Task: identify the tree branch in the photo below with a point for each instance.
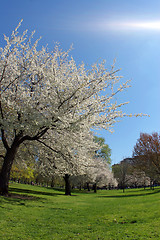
(56, 151)
(49, 147)
(4, 140)
(36, 137)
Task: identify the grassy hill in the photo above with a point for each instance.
(34, 212)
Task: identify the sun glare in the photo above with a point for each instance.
(142, 25)
(128, 25)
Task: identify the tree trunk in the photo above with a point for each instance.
(52, 182)
(6, 169)
(67, 185)
(88, 188)
(95, 187)
(151, 185)
(123, 186)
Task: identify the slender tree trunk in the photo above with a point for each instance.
(123, 187)
(95, 187)
(67, 185)
(6, 169)
(151, 185)
(88, 188)
(52, 182)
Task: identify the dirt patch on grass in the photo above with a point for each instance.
(21, 197)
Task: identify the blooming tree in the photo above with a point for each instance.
(45, 93)
(66, 156)
(99, 174)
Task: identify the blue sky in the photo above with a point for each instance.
(128, 31)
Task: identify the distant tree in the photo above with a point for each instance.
(146, 155)
(120, 172)
(137, 178)
(99, 174)
(23, 173)
(104, 151)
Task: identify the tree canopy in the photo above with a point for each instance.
(104, 150)
(47, 98)
(146, 154)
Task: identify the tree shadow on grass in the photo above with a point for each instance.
(141, 189)
(7, 203)
(125, 194)
(15, 199)
(21, 196)
(27, 191)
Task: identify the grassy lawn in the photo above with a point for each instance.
(42, 213)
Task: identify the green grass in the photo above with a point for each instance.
(49, 214)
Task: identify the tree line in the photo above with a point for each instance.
(29, 170)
